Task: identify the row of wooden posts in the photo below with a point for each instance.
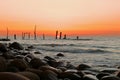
(24, 34)
(27, 35)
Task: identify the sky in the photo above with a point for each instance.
(72, 17)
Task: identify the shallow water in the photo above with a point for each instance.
(98, 52)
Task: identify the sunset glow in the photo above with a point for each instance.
(72, 17)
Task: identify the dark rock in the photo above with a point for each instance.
(83, 67)
(19, 63)
(36, 63)
(118, 74)
(69, 75)
(60, 55)
(37, 52)
(11, 76)
(100, 75)
(89, 77)
(3, 47)
(48, 75)
(16, 45)
(36, 71)
(110, 70)
(30, 75)
(3, 64)
(31, 47)
(70, 66)
(12, 69)
(49, 58)
(44, 68)
(110, 78)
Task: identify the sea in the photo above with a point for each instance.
(97, 51)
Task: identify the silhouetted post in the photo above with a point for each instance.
(77, 37)
(60, 35)
(29, 35)
(15, 36)
(7, 33)
(56, 35)
(64, 36)
(43, 36)
(22, 35)
(35, 33)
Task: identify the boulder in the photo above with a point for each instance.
(16, 45)
(83, 67)
(100, 75)
(3, 64)
(11, 76)
(30, 75)
(89, 77)
(36, 63)
(60, 55)
(69, 75)
(3, 47)
(44, 68)
(19, 63)
(48, 75)
(110, 78)
(36, 71)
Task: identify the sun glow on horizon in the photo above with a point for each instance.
(78, 17)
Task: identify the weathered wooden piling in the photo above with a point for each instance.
(65, 36)
(15, 36)
(35, 36)
(56, 36)
(43, 36)
(60, 35)
(7, 33)
(77, 37)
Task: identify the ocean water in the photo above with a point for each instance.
(99, 52)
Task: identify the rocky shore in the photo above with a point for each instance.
(18, 63)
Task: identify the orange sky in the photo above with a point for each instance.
(72, 17)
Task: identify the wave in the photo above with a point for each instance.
(73, 50)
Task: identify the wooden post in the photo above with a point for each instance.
(7, 33)
(64, 36)
(77, 37)
(43, 36)
(35, 33)
(29, 35)
(56, 35)
(15, 36)
(60, 35)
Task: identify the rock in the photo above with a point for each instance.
(110, 78)
(49, 58)
(100, 75)
(3, 47)
(17, 46)
(3, 64)
(118, 74)
(36, 71)
(36, 63)
(44, 68)
(60, 55)
(30, 75)
(12, 69)
(11, 76)
(89, 77)
(110, 70)
(48, 75)
(69, 75)
(83, 67)
(37, 52)
(70, 66)
(19, 63)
